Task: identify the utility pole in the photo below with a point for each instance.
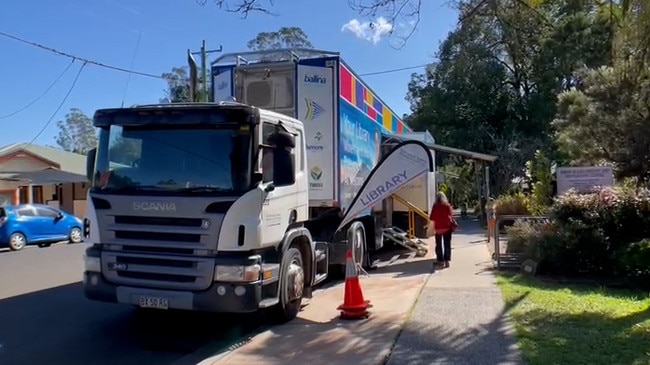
(204, 68)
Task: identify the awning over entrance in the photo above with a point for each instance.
(426, 138)
(44, 177)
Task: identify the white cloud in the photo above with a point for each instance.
(370, 31)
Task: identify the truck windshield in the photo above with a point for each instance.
(173, 159)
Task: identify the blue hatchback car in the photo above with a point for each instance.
(38, 224)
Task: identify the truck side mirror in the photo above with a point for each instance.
(90, 164)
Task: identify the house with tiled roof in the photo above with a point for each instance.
(31, 173)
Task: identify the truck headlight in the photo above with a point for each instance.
(237, 273)
(93, 264)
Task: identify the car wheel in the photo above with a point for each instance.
(17, 242)
(75, 235)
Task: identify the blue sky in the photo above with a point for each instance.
(108, 30)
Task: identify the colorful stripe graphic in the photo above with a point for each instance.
(313, 109)
(354, 92)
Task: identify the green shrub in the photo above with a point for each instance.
(539, 171)
(523, 237)
(633, 262)
(515, 204)
(598, 234)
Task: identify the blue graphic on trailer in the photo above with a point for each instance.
(359, 144)
(313, 109)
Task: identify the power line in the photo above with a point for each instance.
(128, 77)
(65, 98)
(393, 70)
(85, 60)
(40, 96)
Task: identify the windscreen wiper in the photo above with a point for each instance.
(204, 189)
(135, 188)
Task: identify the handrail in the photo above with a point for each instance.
(412, 207)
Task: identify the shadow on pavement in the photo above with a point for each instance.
(487, 344)
(304, 341)
(60, 326)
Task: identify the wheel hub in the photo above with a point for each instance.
(295, 282)
(17, 241)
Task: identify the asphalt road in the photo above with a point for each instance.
(45, 319)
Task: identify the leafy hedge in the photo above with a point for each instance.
(605, 233)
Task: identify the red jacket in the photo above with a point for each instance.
(442, 215)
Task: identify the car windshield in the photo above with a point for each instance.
(163, 159)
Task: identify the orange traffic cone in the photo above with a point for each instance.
(354, 306)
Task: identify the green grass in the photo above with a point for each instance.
(567, 324)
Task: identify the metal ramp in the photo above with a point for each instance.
(396, 235)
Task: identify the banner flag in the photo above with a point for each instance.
(405, 162)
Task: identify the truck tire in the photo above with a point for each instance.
(292, 284)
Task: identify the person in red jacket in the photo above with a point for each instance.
(442, 220)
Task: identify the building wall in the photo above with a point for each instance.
(70, 197)
(23, 162)
(8, 192)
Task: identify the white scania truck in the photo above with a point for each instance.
(229, 206)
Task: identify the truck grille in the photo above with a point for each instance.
(159, 252)
(158, 271)
(158, 221)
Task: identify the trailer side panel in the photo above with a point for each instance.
(316, 107)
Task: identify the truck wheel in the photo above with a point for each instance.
(292, 285)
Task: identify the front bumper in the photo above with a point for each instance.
(219, 297)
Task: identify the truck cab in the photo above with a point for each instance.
(199, 207)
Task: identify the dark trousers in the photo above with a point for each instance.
(443, 247)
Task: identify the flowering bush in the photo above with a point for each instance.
(591, 234)
(622, 215)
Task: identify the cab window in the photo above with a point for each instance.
(267, 154)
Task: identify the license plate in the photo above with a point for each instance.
(152, 302)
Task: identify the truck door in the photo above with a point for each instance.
(281, 201)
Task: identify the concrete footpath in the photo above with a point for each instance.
(459, 317)
(318, 336)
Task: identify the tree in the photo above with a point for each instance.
(494, 85)
(285, 37)
(76, 132)
(604, 118)
(178, 86)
